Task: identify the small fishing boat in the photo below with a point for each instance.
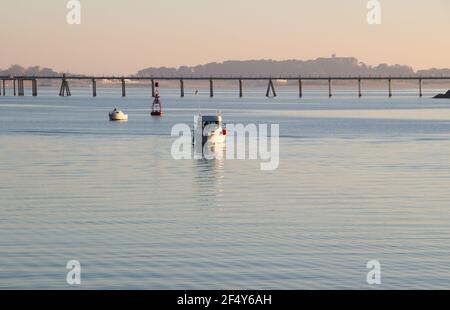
(209, 128)
(117, 115)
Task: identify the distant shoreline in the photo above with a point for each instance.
(323, 66)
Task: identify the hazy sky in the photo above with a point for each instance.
(122, 36)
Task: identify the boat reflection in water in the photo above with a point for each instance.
(210, 177)
(210, 151)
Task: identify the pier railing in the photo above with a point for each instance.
(19, 89)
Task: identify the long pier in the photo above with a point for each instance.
(19, 82)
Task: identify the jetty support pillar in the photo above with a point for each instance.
(20, 90)
(359, 88)
(270, 87)
(94, 88)
(211, 88)
(420, 88)
(390, 88)
(153, 88)
(329, 89)
(240, 89)
(124, 94)
(64, 90)
(300, 88)
(181, 88)
(34, 87)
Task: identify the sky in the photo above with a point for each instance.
(124, 36)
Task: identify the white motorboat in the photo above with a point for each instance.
(209, 129)
(117, 115)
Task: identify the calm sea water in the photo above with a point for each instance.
(359, 179)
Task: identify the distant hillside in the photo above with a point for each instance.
(337, 66)
(434, 72)
(319, 66)
(35, 70)
(343, 66)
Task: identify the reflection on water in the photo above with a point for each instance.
(210, 172)
(348, 190)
